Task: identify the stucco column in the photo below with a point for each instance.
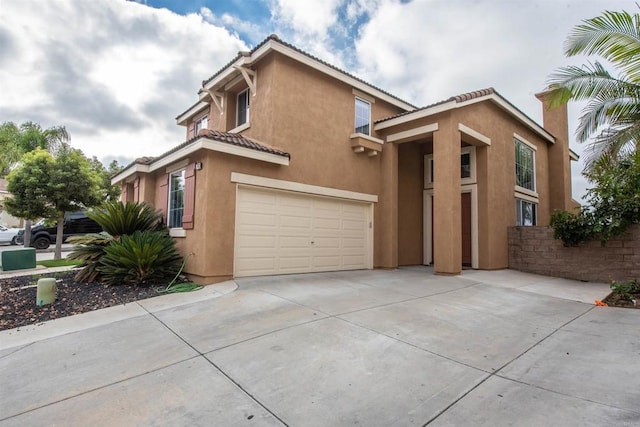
(386, 211)
(555, 121)
(447, 233)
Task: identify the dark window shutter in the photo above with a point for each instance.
(189, 196)
(164, 196)
(136, 189)
(124, 196)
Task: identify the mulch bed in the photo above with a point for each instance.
(18, 302)
(615, 300)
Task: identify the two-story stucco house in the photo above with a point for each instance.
(292, 165)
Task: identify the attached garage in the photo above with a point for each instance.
(282, 232)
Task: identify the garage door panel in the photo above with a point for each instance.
(294, 242)
(354, 243)
(293, 263)
(353, 261)
(295, 233)
(256, 265)
(329, 262)
(291, 221)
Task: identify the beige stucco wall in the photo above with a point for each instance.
(310, 116)
(495, 177)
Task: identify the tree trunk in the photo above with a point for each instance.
(59, 236)
(27, 233)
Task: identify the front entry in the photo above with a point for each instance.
(468, 225)
(466, 229)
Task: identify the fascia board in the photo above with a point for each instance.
(182, 118)
(203, 143)
(122, 176)
(416, 115)
(453, 105)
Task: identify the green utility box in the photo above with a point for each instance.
(18, 259)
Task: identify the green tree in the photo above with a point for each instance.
(110, 193)
(47, 186)
(17, 141)
(611, 118)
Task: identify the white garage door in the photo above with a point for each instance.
(280, 232)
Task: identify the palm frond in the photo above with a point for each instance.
(614, 35)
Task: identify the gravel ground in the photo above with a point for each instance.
(18, 298)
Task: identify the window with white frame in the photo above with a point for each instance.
(525, 166)
(201, 123)
(176, 199)
(242, 108)
(526, 212)
(363, 117)
(467, 167)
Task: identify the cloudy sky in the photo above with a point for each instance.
(116, 73)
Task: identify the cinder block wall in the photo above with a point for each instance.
(534, 250)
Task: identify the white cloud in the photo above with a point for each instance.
(114, 73)
(249, 29)
(428, 50)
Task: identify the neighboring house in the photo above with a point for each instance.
(5, 218)
(292, 165)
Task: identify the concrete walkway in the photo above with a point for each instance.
(372, 348)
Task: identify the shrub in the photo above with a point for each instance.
(143, 257)
(625, 288)
(90, 250)
(572, 228)
(117, 218)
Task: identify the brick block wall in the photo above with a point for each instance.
(534, 250)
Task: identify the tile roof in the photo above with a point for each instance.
(225, 137)
(238, 140)
(274, 37)
(457, 98)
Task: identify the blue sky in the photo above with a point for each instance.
(116, 73)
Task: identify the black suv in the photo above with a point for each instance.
(75, 224)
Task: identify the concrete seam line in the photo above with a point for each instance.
(200, 354)
(567, 395)
(495, 373)
(100, 387)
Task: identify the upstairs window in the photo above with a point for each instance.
(525, 166)
(176, 199)
(363, 117)
(467, 167)
(242, 108)
(201, 123)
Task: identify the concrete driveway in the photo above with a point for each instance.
(371, 348)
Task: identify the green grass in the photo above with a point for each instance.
(58, 262)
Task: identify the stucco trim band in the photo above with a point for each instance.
(473, 134)
(405, 135)
(278, 184)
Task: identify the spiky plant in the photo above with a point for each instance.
(89, 250)
(118, 219)
(139, 259)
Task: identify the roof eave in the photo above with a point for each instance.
(453, 104)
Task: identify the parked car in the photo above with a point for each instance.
(9, 235)
(75, 224)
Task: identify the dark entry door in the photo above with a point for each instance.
(466, 229)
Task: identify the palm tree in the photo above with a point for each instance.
(610, 121)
